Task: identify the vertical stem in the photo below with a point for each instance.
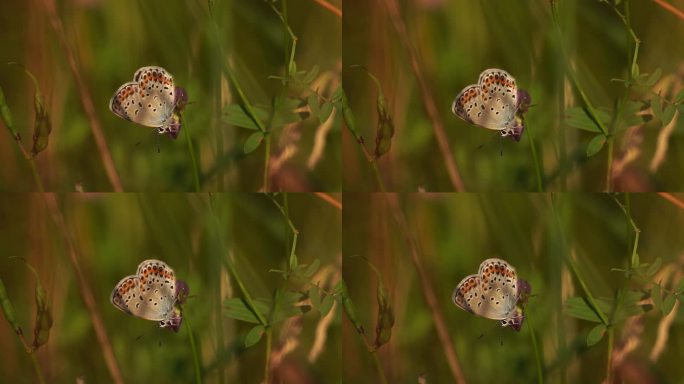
(378, 176)
(267, 156)
(193, 347)
(193, 159)
(378, 367)
(609, 362)
(540, 374)
(267, 364)
(36, 367)
(537, 165)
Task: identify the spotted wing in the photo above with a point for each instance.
(500, 287)
(498, 95)
(149, 100)
(467, 294)
(158, 289)
(126, 295)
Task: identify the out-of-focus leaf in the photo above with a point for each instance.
(326, 110)
(679, 97)
(312, 101)
(315, 297)
(576, 117)
(595, 145)
(579, 308)
(6, 113)
(668, 304)
(236, 308)
(668, 114)
(254, 335)
(653, 78)
(43, 322)
(680, 286)
(326, 305)
(253, 142)
(306, 77)
(653, 269)
(657, 297)
(234, 114)
(42, 126)
(596, 334)
(312, 268)
(656, 107)
(342, 296)
(8, 309)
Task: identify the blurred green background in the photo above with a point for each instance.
(456, 40)
(454, 233)
(194, 41)
(114, 233)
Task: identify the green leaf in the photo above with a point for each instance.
(8, 309)
(595, 145)
(668, 114)
(576, 117)
(656, 106)
(326, 110)
(312, 268)
(653, 78)
(306, 77)
(596, 334)
(234, 114)
(579, 308)
(326, 305)
(315, 297)
(5, 112)
(313, 105)
(635, 70)
(293, 261)
(235, 308)
(680, 96)
(253, 142)
(657, 297)
(680, 287)
(668, 304)
(653, 269)
(338, 94)
(254, 335)
(285, 114)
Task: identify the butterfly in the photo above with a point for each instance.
(495, 293)
(152, 294)
(495, 103)
(152, 100)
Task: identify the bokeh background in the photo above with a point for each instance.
(113, 233)
(535, 233)
(456, 40)
(194, 41)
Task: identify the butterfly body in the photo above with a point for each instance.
(493, 293)
(150, 294)
(151, 100)
(495, 103)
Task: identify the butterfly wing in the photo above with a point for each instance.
(500, 288)
(468, 105)
(158, 289)
(467, 294)
(498, 93)
(149, 100)
(126, 295)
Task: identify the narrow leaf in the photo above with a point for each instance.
(312, 268)
(576, 117)
(326, 110)
(653, 269)
(234, 114)
(657, 297)
(315, 297)
(596, 334)
(656, 106)
(254, 335)
(668, 114)
(326, 305)
(578, 307)
(253, 142)
(680, 286)
(668, 304)
(595, 145)
(312, 101)
(680, 96)
(653, 78)
(8, 309)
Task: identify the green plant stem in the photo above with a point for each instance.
(537, 165)
(267, 364)
(193, 158)
(609, 363)
(378, 367)
(571, 72)
(573, 267)
(36, 367)
(538, 359)
(231, 267)
(378, 176)
(267, 159)
(193, 347)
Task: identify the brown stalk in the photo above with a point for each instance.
(329, 7)
(670, 8)
(427, 98)
(329, 199)
(668, 196)
(428, 292)
(85, 96)
(84, 288)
